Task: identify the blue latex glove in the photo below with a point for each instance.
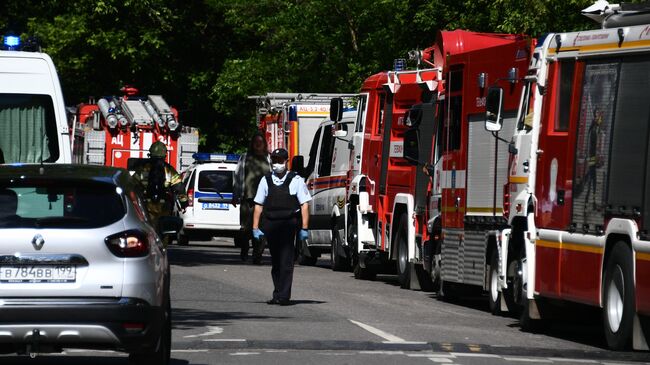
(257, 233)
(303, 234)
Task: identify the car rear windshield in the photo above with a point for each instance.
(216, 181)
(28, 131)
(42, 204)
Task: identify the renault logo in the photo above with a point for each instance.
(38, 242)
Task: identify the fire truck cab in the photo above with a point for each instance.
(577, 190)
(33, 122)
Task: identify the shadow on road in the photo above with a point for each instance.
(185, 318)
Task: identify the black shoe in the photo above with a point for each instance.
(257, 260)
(284, 302)
(273, 301)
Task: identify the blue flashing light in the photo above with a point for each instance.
(215, 157)
(11, 41)
(399, 64)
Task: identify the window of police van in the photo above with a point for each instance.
(69, 204)
(216, 181)
(28, 131)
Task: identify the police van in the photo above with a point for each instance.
(209, 185)
(33, 121)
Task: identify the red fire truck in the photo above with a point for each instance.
(404, 216)
(114, 129)
(577, 193)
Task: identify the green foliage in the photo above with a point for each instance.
(207, 57)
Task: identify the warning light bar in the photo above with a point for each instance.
(11, 42)
(215, 157)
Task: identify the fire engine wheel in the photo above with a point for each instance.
(338, 263)
(403, 265)
(494, 295)
(618, 297)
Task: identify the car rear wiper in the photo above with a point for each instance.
(213, 190)
(49, 221)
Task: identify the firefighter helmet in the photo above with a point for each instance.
(158, 150)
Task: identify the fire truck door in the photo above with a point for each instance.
(427, 128)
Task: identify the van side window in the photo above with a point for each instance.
(325, 157)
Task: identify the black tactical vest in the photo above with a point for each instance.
(279, 203)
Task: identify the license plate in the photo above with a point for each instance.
(215, 206)
(38, 274)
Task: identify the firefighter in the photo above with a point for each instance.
(161, 183)
(281, 197)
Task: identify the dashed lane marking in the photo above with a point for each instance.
(244, 353)
(390, 338)
(441, 360)
(431, 354)
(376, 331)
(212, 330)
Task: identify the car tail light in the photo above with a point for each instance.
(190, 198)
(131, 243)
(506, 201)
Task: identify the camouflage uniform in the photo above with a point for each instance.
(172, 187)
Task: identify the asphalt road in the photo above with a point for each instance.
(220, 316)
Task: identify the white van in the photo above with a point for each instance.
(33, 122)
(326, 178)
(209, 182)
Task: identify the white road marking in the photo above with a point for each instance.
(527, 359)
(282, 351)
(244, 353)
(224, 340)
(212, 330)
(441, 359)
(335, 353)
(406, 342)
(376, 331)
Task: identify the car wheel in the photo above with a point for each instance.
(338, 263)
(618, 297)
(494, 295)
(161, 353)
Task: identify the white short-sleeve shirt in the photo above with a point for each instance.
(297, 187)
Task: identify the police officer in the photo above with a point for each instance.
(281, 196)
(162, 184)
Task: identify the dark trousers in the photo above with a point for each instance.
(280, 236)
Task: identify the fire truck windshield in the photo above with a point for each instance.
(525, 117)
(27, 129)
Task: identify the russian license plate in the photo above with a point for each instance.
(215, 206)
(38, 274)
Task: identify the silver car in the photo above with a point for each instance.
(80, 264)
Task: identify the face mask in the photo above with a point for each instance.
(279, 168)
